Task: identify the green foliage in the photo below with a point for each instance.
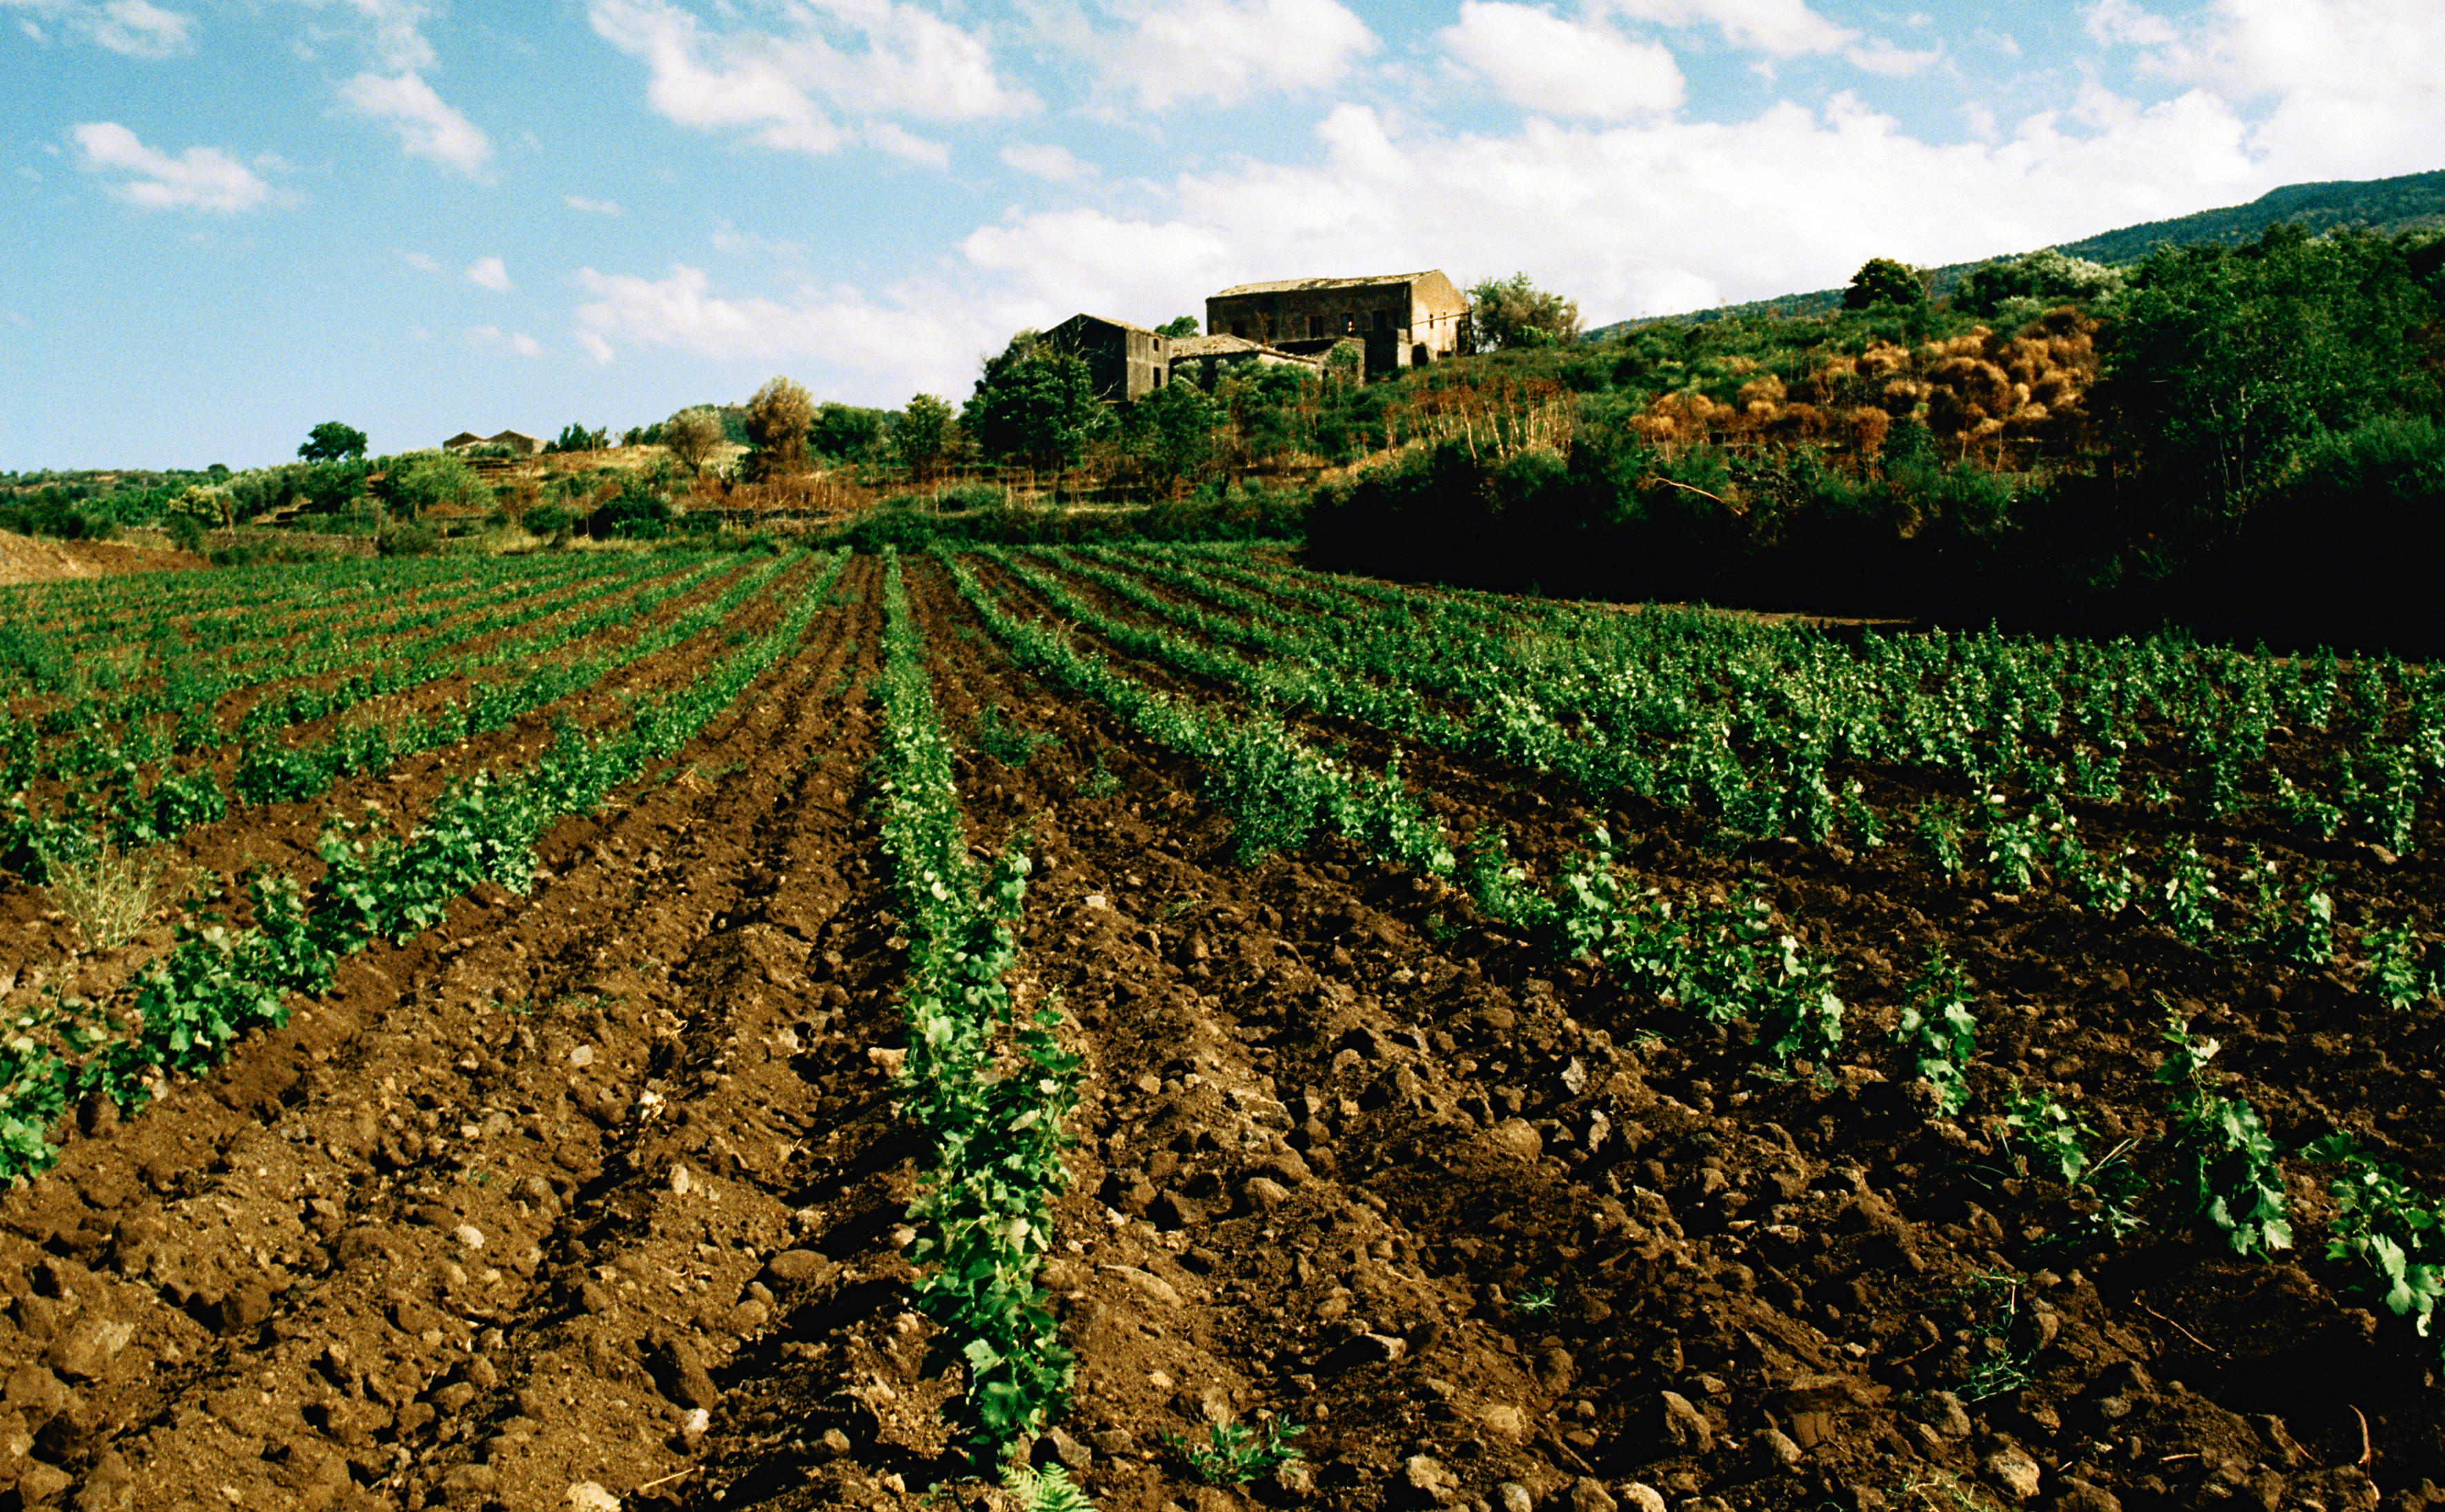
(428, 480)
(2234, 1178)
(1234, 1453)
(2190, 897)
(2043, 277)
(1938, 1028)
(577, 438)
(332, 441)
(778, 418)
(1883, 281)
(2388, 1227)
(1047, 1490)
(1037, 404)
(926, 435)
(1511, 313)
(200, 997)
(1177, 326)
(989, 1086)
(692, 436)
(2059, 1143)
(1006, 743)
(1174, 432)
(2402, 969)
(2228, 364)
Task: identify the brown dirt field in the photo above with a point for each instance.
(32, 559)
(492, 1222)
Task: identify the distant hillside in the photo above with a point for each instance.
(2412, 202)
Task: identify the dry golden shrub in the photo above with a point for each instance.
(1865, 426)
(1903, 395)
(1882, 357)
(1766, 390)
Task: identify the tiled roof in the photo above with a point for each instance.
(1102, 320)
(1284, 286)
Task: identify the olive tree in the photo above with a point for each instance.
(778, 418)
(692, 436)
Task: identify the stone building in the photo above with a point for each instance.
(1126, 361)
(519, 442)
(1200, 360)
(1403, 320)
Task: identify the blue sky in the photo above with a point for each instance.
(229, 221)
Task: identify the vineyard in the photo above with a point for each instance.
(1141, 1026)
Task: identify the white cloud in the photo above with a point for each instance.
(488, 273)
(426, 124)
(1220, 52)
(198, 178)
(918, 338)
(592, 207)
(143, 31)
(134, 28)
(1652, 217)
(2354, 85)
(2124, 23)
(866, 60)
(1883, 59)
(393, 30)
(1781, 27)
(422, 262)
(1048, 160)
(492, 338)
(1540, 62)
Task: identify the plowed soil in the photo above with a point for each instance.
(596, 1197)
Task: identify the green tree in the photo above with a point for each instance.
(692, 436)
(1035, 404)
(923, 438)
(577, 438)
(2047, 275)
(1173, 430)
(1506, 314)
(1178, 325)
(778, 418)
(426, 480)
(330, 442)
(1883, 281)
(847, 433)
(2225, 363)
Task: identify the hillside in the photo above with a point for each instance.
(2410, 202)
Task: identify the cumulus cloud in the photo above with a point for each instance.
(133, 28)
(592, 207)
(2352, 81)
(1220, 52)
(916, 338)
(1540, 62)
(1782, 28)
(198, 178)
(488, 273)
(426, 125)
(866, 60)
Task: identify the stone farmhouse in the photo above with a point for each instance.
(519, 442)
(1404, 320)
(1399, 320)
